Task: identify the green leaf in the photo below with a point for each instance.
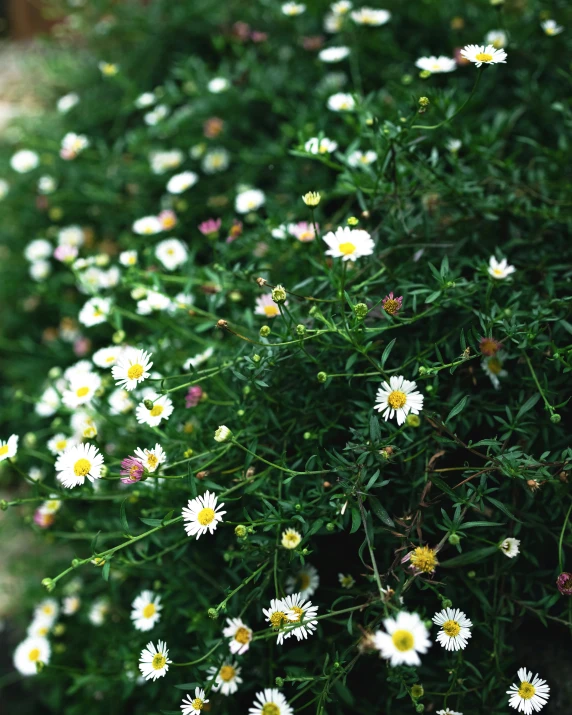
(374, 429)
(380, 512)
(459, 407)
(438, 482)
(356, 520)
(106, 569)
(503, 508)
(94, 542)
(123, 518)
(475, 524)
(469, 557)
(528, 405)
(386, 352)
(151, 522)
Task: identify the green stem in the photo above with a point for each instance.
(446, 121)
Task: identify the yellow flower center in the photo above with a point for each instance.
(52, 504)
(197, 704)
(48, 610)
(226, 673)
(43, 631)
(242, 635)
(549, 30)
(34, 655)
(135, 372)
(149, 610)
(526, 690)
(151, 459)
(3, 450)
(82, 392)
(158, 661)
(451, 628)
(347, 248)
(156, 410)
(391, 306)
(205, 516)
(299, 614)
(290, 540)
(397, 399)
(271, 311)
(270, 709)
(402, 640)
(424, 559)
(306, 236)
(277, 619)
(82, 467)
(60, 444)
(483, 57)
(494, 365)
(304, 579)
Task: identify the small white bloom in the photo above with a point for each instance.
(530, 694)
(73, 144)
(215, 160)
(270, 701)
(226, 678)
(147, 226)
(163, 161)
(157, 115)
(398, 398)
(453, 145)
(306, 581)
(435, 65)
(48, 403)
(38, 249)
(360, 159)
(301, 611)
(8, 448)
(78, 462)
(172, 253)
(317, 145)
(24, 161)
(222, 434)
(51, 506)
(151, 458)
(348, 243)
(342, 7)
(47, 185)
(147, 99)
(346, 580)
(132, 368)
(98, 612)
(81, 390)
(30, 652)
(67, 102)
(161, 410)
(277, 617)
(47, 611)
(448, 712)
(146, 610)
(405, 636)
(239, 634)
(493, 366)
(249, 200)
(154, 662)
(40, 270)
(120, 402)
(94, 311)
(333, 23)
(510, 547)
(293, 8)
(38, 628)
(551, 27)
(341, 102)
(59, 443)
(70, 605)
(198, 360)
(71, 236)
(107, 357)
(83, 425)
(496, 38)
(370, 16)
(455, 628)
(194, 706)
(333, 54)
(290, 538)
(218, 85)
(266, 306)
(481, 54)
(202, 514)
(128, 258)
(181, 182)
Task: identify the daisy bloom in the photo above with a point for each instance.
(38, 628)
(128, 258)
(78, 462)
(131, 369)
(303, 231)
(435, 65)
(198, 360)
(249, 200)
(146, 610)
(306, 581)
(161, 409)
(81, 390)
(29, 653)
(98, 612)
(510, 547)
(530, 695)
(154, 662)
(448, 712)
(334, 54)
(291, 538)
(480, 54)
(94, 311)
(73, 145)
(341, 102)
(147, 99)
(210, 227)
(108, 69)
(551, 27)
(226, 677)
(346, 580)
(453, 145)
(107, 357)
(147, 226)
(315, 145)
(202, 514)
(172, 253)
(38, 249)
(222, 434)
(398, 398)
(404, 638)
(8, 448)
(455, 628)
(120, 402)
(156, 115)
(270, 701)
(40, 270)
(277, 617)
(67, 102)
(423, 559)
(300, 611)
(151, 458)
(293, 8)
(51, 506)
(47, 611)
(239, 634)
(360, 159)
(215, 160)
(163, 161)
(70, 605)
(266, 306)
(496, 38)
(131, 470)
(193, 396)
(44, 521)
(500, 270)
(24, 161)
(370, 16)
(392, 305)
(181, 182)
(349, 243)
(493, 366)
(564, 583)
(46, 185)
(193, 706)
(342, 7)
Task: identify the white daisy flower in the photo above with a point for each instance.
(359, 158)
(78, 462)
(453, 145)
(306, 581)
(435, 65)
(404, 638)
(448, 712)
(4, 188)
(162, 409)
(266, 306)
(39, 628)
(120, 402)
(315, 145)
(182, 301)
(153, 118)
(172, 253)
(98, 612)
(132, 368)
(348, 243)
(290, 538)
(215, 160)
(59, 443)
(94, 311)
(218, 84)
(154, 662)
(24, 161)
(530, 695)
(163, 161)
(226, 678)
(29, 653)
(73, 144)
(333, 23)
(193, 706)
(496, 38)
(370, 16)
(270, 702)
(46, 185)
(48, 403)
(551, 27)
(277, 617)
(81, 390)
(181, 182)
(154, 300)
(333, 54)
(147, 99)
(239, 634)
(493, 366)
(70, 605)
(198, 360)
(342, 7)
(341, 102)
(222, 434)
(510, 547)
(455, 628)
(500, 269)
(346, 580)
(83, 425)
(128, 258)
(9, 447)
(481, 54)
(300, 611)
(71, 236)
(398, 398)
(47, 611)
(249, 200)
(51, 506)
(78, 369)
(40, 270)
(146, 610)
(151, 458)
(147, 226)
(202, 514)
(107, 357)
(38, 249)
(67, 102)
(293, 8)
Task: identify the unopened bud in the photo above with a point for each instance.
(417, 691)
(454, 539)
(212, 613)
(360, 310)
(555, 419)
(240, 531)
(300, 330)
(279, 294)
(353, 221)
(279, 682)
(264, 331)
(148, 404)
(48, 584)
(322, 377)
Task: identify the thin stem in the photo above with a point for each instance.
(446, 121)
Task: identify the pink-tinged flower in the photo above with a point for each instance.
(235, 231)
(303, 231)
(213, 127)
(210, 227)
(82, 346)
(564, 583)
(168, 219)
(193, 396)
(489, 346)
(132, 470)
(66, 253)
(241, 30)
(392, 305)
(266, 306)
(257, 36)
(43, 520)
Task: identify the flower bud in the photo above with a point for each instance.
(148, 404)
(212, 613)
(353, 221)
(454, 539)
(256, 358)
(330, 526)
(48, 584)
(279, 294)
(279, 682)
(420, 708)
(223, 434)
(240, 531)
(417, 691)
(555, 419)
(118, 337)
(322, 377)
(54, 373)
(3, 505)
(300, 330)
(264, 331)
(412, 420)
(360, 310)
(446, 603)
(564, 583)
(312, 198)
